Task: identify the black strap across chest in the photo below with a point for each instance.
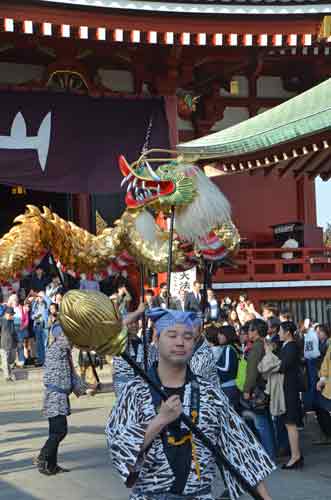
(176, 439)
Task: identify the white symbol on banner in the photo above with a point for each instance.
(19, 140)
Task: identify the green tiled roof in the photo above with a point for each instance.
(304, 115)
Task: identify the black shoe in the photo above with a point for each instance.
(298, 464)
(47, 472)
(59, 470)
(43, 466)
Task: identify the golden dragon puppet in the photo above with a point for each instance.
(203, 226)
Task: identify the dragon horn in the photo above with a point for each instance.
(124, 166)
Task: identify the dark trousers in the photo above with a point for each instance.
(233, 395)
(58, 429)
(324, 421)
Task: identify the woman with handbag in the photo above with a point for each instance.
(290, 368)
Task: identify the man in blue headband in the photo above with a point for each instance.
(154, 452)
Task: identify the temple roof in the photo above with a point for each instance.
(209, 7)
(295, 134)
(170, 24)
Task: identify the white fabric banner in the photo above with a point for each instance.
(182, 279)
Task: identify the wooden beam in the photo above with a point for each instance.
(268, 170)
(318, 167)
(310, 159)
(303, 166)
(285, 170)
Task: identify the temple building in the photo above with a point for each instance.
(214, 64)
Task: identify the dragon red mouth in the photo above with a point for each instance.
(142, 190)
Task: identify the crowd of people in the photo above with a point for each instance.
(271, 370)
(29, 310)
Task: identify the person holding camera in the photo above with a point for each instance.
(123, 299)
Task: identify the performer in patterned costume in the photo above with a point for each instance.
(154, 452)
(202, 362)
(122, 371)
(60, 380)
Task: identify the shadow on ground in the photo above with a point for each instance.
(17, 416)
(42, 432)
(11, 492)
(84, 459)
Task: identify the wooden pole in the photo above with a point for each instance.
(142, 297)
(171, 239)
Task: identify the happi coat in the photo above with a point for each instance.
(60, 379)
(150, 472)
(203, 363)
(122, 371)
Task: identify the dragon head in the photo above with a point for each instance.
(168, 185)
(200, 205)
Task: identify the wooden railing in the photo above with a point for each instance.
(267, 264)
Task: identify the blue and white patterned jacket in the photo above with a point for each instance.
(60, 379)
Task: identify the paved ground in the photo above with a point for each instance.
(23, 431)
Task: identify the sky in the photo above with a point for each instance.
(323, 197)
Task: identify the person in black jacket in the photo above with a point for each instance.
(290, 367)
(39, 280)
(193, 300)
(8, 342)
(161, 299)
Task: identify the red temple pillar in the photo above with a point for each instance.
(306, 201)
(81, 204)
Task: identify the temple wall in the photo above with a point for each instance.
(232, 116)
(258, 201)
(13, 73)
(117, 80)
(271, 86)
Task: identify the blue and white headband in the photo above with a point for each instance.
(165, 318)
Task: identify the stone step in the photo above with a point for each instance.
(28, 385)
